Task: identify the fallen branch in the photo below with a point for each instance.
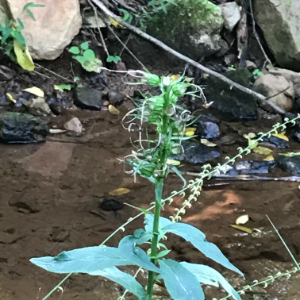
(187, 59)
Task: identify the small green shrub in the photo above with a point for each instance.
(86, 57)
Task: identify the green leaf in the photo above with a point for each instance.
(114, 59)
(91, 65)
(32, 4)
(124, 279)
(20, 38)
(84, 46)
(80, 59)
(208, 275)
(136, 254)
(21, 26)
(180, 283)
(74, 50)
(163, 222)
(173, 168)
(161, 254)
(89, 54)
(198, 239)
(83, 260)
(31, 15)
(6, 35)
(144, 211)
(62, 87)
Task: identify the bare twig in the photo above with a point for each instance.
(185, 58)
(98, 27)
(256, 35)
(64, 78)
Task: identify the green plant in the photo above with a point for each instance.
(31, 4)
(257, 73)
(113, 58)
(86, 57)
(183, 280)
(12, 40)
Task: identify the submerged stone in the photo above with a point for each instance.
(288, 164)
(22, 128)
(196, 153)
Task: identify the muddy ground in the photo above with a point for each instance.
(50, 195)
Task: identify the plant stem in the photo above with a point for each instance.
(151, 276)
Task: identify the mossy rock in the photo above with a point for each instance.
(191, 27)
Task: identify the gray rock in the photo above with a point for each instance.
(74, 125)
(115, 98)
(22, 128)
(191, 27)
(279, 21)
(6, 73)
(231, 13)
(88, 98)
(289, 164)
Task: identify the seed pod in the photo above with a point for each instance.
(179, 89)
(152, 79)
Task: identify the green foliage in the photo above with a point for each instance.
(31, 4)
(86, 57)
(113, 58)
(62, 87)
(257, 73)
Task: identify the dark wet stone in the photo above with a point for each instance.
(115, 98)
(288, 164)
(277, 142)
(88, 98)
(20, 102)
(22, 128)
(207, 127)
(55, 105)
(4, 101)
(98, 80)
(297, 104)
(231, 105)
(196, 153)
(6, 73)
(111, 204)
(250, 167)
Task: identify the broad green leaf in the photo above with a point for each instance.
(149, 219)
(80, 59)
(20, 38)
(198, 239)
(6, 34)
(23, 56)
(89, 54)
(74, 50)
(124, 279)
(84, 46)
(136, 254)
(208, 275)
(114, 59)
(181, 284)
(61, 87)
(83, 260)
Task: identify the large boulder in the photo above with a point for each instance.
(56, 25)
(279, 21)
(191, 27)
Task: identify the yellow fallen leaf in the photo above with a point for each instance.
(262, 150)
(269, 158)
(119, 191)
(175, 77)
(190, 131)
(173, 162)
(115, 23)
(24, 58)
(242, 220)
(242, 228)
(205, 75)
(35, 91)
(113, 110)
(281, 136)
(208, 143)
(10, 97)
(188, 79)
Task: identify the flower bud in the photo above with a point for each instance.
(152, 79)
